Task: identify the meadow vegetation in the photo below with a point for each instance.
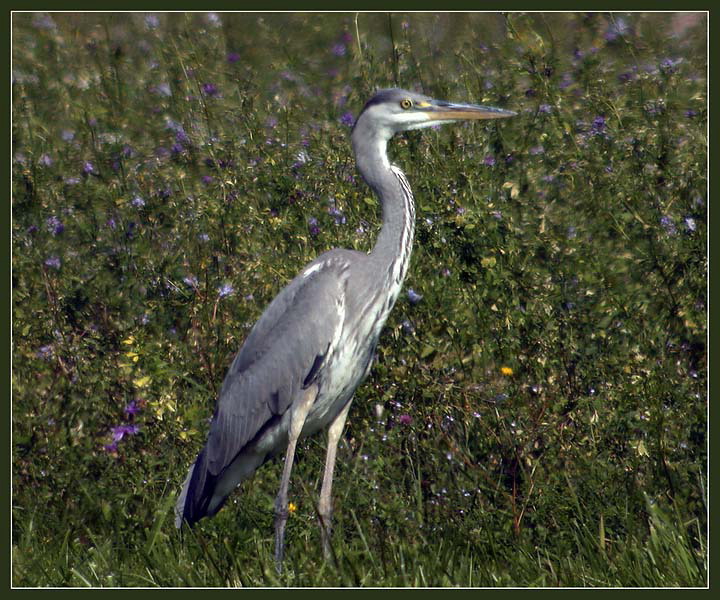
(537, 412)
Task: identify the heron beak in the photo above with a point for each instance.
(450, 111)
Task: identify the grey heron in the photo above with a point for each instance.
(314, 344)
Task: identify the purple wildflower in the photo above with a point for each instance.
(53, 262)
(210, 89)
(489, 161)
(44, 21)
(545, 108)
(173, 125)
(233, 57)
(301, 158)
(339, 49)
(132, 409)
(535, 150)
(88, 168)
(151, 21)
(668, 66)
(616, 29)
(111, 223)
(338, 215)
(206, 179)
(120, 431)
(55, 225)
(598, 126)
(45, 352)
(690, 224)
(407, 327)
(161, 89)
(191, 281)
(413, 296)
(110, 447)
(689, 114)
(405, 419)
(313, 226)
(138, 202)
(45, 160)
(565, 81)
(668, 224)
(347, 119)
(225, 290)
(67, 135)
(654, 108)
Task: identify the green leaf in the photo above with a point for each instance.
(426, 351)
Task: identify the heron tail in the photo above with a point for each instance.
(198, 491)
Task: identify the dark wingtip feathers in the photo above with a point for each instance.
(194, 499)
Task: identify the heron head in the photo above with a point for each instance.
(393, 110)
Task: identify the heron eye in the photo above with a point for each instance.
(406, 103)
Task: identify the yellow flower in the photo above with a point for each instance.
(506, 371)
(292, 507)
(142, 381)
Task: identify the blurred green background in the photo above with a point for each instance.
(537, 411)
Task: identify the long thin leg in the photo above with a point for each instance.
(300, 411)
(325, 507)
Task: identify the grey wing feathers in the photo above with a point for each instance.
(286, 346)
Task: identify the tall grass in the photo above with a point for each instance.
(536, 415)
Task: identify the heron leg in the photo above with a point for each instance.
(300, 410)
(325, 506)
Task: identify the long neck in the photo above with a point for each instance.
(394, 244)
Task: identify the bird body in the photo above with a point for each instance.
(279, 350)
(314, 344)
